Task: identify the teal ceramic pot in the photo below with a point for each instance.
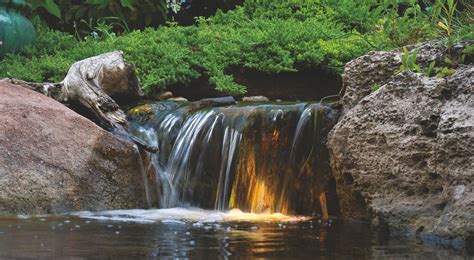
(16, 31)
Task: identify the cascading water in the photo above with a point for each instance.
(255, 157)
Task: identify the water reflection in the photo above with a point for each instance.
(74, 236)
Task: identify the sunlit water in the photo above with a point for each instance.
(194, 233)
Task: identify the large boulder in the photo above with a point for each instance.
(379, 67)
(403, 156)
(53, 160)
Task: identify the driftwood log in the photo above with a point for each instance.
(95, 85)
(91, 83)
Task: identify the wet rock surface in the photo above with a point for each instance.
(212, 102)
(403, 155)
(54, 160)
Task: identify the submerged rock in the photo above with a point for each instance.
(403, 155)
(54, 160)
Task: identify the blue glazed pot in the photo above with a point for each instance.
(16, 31)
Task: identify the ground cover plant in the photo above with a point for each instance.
(263, 35)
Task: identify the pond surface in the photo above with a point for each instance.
(194, 233)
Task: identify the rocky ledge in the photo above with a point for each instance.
(403, 155)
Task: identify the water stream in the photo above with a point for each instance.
(254, 157)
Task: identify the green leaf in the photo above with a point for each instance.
(49, 5)
(442, 25)
(430, 68)
(127, 3)
(417, 68)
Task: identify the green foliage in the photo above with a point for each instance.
(442, 72)
(408, 62)
(49, 5)
(264, 35)
(468, 53)
(451, 64)
(375, 86)
(412, 26)
(243, 38)
(428, 71)
(448, 8)
(73, 15)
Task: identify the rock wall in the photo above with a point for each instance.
(53, 160)
(403, 156)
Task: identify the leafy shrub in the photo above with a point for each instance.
(78, 15)
(264, 35)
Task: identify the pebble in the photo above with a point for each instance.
(198, 224)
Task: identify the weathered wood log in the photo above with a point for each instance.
(91, 83)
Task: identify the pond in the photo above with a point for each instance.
(195, 233)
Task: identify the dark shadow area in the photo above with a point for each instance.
(307, 85)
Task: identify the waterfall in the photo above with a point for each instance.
(257, 157)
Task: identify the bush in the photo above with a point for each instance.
(78, 16)
(265, 35)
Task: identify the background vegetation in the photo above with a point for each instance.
(265, 35)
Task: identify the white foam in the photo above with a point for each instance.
(183, 215)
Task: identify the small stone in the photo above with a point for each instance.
(165, 95)
(255, 99)
(179, 99)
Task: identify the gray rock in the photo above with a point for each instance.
(165, 95)
(180, 99)
(403, 155)
(255, 99)
(54, 160)
(212, 102)
(379, 68)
